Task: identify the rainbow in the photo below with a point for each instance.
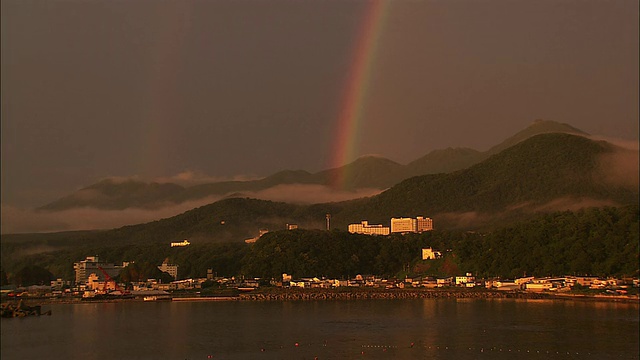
(353, 105)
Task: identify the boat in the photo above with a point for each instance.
(157, 298)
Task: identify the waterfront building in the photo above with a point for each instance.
(59, 284)
(538, 287)
(91, 265)
(365, 228)
(169, 269)
(444, 282)
(463, 280)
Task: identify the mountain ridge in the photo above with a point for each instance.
(366, 172)
(547, 172)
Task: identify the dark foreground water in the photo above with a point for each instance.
(366, 329)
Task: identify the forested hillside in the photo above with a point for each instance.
(365, 172)
(596, 241)
(507, 186)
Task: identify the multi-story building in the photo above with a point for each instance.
(403, 225)
(92, 265)
(423, 224)
(410, 225)
(365, 228)
(169, 269)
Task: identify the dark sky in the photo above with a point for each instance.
(94, 89)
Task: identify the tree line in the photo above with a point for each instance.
(595, 241)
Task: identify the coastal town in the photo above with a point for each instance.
(94, 281)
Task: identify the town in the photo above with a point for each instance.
(95, 279)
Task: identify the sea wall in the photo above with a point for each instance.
(328, 294)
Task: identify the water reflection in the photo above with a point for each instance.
(384, 329)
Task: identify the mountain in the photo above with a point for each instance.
(113, 194)
(364, 172)
(367, 172)
(449, 160)
(445, 161)
(547, 172)
(538, 127)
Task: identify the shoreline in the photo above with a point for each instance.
(288, 294)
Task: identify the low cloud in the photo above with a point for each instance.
(465, 220)
(16, 220)
(309, 194)
(474, 219)
(623, 143)
(122, 179)
(190, 178)
(619, 168)
(571, 204)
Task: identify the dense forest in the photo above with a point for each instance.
(595, 241)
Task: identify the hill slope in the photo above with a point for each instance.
(544, 173)
(365, 172)
(112, 194)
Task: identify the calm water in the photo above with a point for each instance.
(368, 329)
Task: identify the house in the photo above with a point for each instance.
(340, 283)
(430, 254)
(462, 280)
(538, 286)
(444, 282)
(524, 280)
(506, 285)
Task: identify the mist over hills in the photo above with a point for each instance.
(369, 174)
(545, 173)
(513, 200)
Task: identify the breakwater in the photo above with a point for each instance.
(328, 294)
(294, 294)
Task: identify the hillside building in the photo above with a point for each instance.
(430, 254)
(180, 243)
(423, 224)
(403, 225)
(365, 228)
(410, 225)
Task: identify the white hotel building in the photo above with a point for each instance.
(365, 228)
(398, 225)
(410, 225)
